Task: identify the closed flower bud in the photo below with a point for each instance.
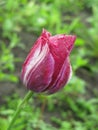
(47, 67)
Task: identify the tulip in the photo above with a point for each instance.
(47, 67)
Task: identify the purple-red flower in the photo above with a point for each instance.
(47, 66)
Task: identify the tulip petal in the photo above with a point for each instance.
(62, 79)
(60, 49)
(40, 72)
(67, 40)
(31, 56)
(59, 53)
(42, 76)
(45, 34)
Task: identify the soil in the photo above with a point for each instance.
(7, 87)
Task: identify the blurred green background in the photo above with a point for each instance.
(76, 106)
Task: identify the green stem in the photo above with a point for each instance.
(26, 98)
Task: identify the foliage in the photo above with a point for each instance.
(71, 108)
(67, 111)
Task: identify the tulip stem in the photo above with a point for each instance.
(26, 98)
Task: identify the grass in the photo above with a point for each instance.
(69, 109)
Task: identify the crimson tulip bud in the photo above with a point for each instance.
(47, 67)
